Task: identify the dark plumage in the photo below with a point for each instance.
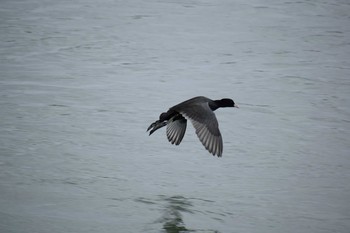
(200, 111)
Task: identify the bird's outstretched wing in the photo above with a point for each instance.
(176, 128)
(206, 125)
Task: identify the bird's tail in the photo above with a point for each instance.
(156, 125)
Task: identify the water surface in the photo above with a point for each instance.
(81, 81)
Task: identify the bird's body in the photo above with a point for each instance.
(200, 111)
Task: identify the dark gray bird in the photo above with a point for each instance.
(200, 111)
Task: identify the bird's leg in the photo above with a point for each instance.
(163, 121)
(159, 123)
(152, 125)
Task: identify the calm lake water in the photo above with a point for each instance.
(80, 82)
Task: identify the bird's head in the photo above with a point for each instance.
(227, 103)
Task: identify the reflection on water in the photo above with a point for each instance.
(173, 210)
(172, 218)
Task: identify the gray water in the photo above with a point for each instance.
(80, 82)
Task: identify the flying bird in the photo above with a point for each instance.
(200, 111)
